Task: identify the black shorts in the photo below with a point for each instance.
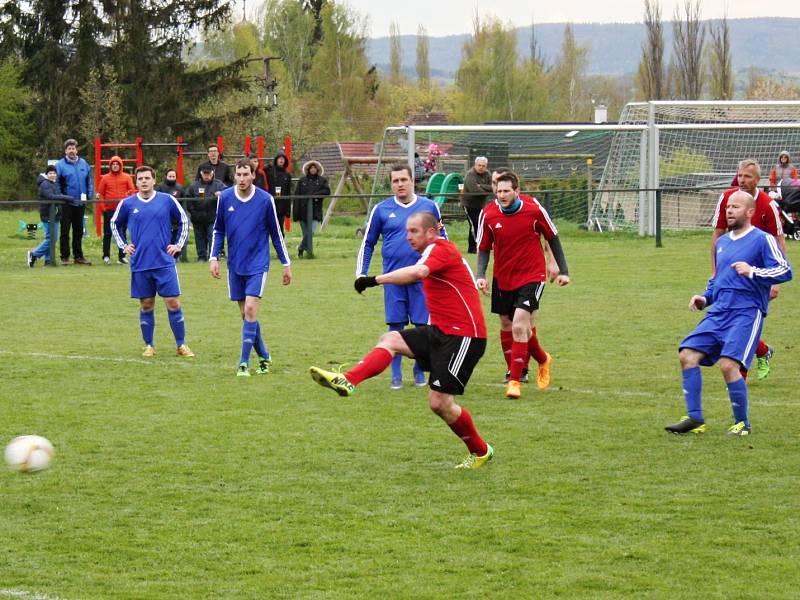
(450, 359)
(527, 298)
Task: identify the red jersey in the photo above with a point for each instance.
(765, 218)
(515, 239)
(450, 292)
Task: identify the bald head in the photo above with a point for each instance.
(739, 211)
(742, 197)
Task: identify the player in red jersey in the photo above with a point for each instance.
(765, 218)
(449, 347)
(513, 227)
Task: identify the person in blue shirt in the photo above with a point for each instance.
(148, 216)
(402, 303)
(748, 262)
(246, 216)
(74, 180)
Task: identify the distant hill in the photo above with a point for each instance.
(770, 44)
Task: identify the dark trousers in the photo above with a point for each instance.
(107, 214)
(72, 219)
(203, 233)
(281, 217)
(473, 214)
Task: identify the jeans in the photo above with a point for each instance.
(107, 214)
(307, 235)
(43, 249)
(72, 218)
(203, 233)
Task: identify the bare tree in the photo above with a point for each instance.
(395, 53)
(535, 49)
(720, 62)
(687, 46)
(651, 76)
(423, 65)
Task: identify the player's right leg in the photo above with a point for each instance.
(147, 322)
(693, 422)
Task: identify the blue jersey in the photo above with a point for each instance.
(149, 223)
(728, 290)
(248, 223)
(388, 219)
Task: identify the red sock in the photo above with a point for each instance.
(761, 349)
(519, 356)
(373, 363)
(535, 349)
(506, 337)
(464, 428)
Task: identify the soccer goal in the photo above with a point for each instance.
(605, 176)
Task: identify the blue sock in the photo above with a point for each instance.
(249, 332)
(397, 369)
(737, 392)
(177, 325)
(261, 347)
(692, 393)
(147, 320)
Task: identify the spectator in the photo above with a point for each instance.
(477, 190)
(280, 185)
(75, 181)
(222, 170)
(202, 211)
(113, 186)
(782, 171)
(170, 184)
(261, 180)
(313, 185)
(48, 192)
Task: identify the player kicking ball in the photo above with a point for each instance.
(748, 262)
(246, 216)
(449, 348)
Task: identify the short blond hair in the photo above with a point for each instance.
(750, 162)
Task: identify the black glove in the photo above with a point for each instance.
(363, 283)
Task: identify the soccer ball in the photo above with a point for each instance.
(29, 453)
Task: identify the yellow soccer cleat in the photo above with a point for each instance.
(473, 461)
(543, 376)
(513, 389)
(183, 350)
(332, 380)
(149, 352)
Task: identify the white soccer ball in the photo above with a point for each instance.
(29, 453)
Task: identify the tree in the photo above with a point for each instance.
(315, 8)
(423, 65)
(651, 77)
(720, 62)
(289, 31)
(567, 78)
(16, 133)
(761, 87)
(101, 98)
(395, 54)
(687, 47)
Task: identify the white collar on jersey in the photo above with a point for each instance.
(413, 200)
(139, 195)
(248, 197)
(741, 235)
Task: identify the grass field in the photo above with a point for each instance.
(174, 479)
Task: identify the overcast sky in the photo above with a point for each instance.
(449, 17)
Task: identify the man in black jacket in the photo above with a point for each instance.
(48, 193)
(280, 186)
(222, 170)
(313, 185)
(202, 211)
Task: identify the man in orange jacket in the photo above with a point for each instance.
(114, 186)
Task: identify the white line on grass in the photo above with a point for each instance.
(25, 595)
(136, 361)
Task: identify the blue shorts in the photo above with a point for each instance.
(733, 335)
(240, 286)
(405, 303)
(164, 281)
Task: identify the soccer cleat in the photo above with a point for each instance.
(123, 261)
(106, 260)
(334, 381)
(739, 429)
(513, 390)
(183, 350)
(543, 375)
(31, 259)
(763, 364)
(419, 379)
(522, 379)
(397, 384)
(149, 351)
(243, 370)
(687, 425)
(473, 461)
(263, 366)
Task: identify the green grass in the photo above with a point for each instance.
(175, 479)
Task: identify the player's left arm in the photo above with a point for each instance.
(278, 242)
(548, 229)
(179, 215)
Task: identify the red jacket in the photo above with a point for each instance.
(114, 186)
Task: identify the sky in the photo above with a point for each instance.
(452, 17)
